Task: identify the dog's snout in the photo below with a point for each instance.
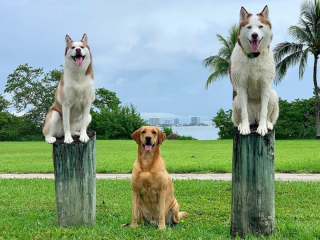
(148, 140)
(78, 50)
(254, 35)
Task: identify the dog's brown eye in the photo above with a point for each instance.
(260, 26)
(154, 132)
(82, 46)
(143, 132)
(73, 47)
(249, 27)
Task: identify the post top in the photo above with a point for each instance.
(91, 135)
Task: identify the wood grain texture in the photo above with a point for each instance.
(75, 182)
(252, 204)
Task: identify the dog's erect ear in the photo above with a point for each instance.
(265, 12)
(84, 38)
(68, 40)
(161, 137)
(136, 136)
(243, 14)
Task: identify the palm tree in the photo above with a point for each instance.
(307, 37)
(220, 63)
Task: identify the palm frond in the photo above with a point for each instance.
(283, 65)
(303, 63)
(285, 48)
(214, 77)
(212, 60)
(301, 35)
(219, 63)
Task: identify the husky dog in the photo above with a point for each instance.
(252, 71)
(70, 113)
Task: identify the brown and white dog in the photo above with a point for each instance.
(152, 189)
(70, 113)
(252, 71)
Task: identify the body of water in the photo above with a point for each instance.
(198, 132)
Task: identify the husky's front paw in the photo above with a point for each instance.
(262, 130)
(244, 129)
(50, 139)
(68, 139)
(84, 138)
(269, 125)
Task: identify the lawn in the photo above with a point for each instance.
(27, 210)
(117, 156)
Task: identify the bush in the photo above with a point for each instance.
(167, 130)
(187, 138)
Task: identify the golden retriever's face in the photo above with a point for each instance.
(148, 137)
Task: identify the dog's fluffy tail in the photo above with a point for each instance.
(183, 214)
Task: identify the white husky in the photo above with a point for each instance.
(252, 71)
(70, 113)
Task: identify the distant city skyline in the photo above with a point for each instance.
(194, 120)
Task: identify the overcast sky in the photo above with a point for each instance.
(149, 52)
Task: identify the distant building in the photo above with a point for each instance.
(195, 120)
(167, 122)
(154, 121)
(176, 121)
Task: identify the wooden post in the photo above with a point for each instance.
(75, 181)
(252, 205)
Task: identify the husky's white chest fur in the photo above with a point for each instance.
(252, 71)
(70, 113)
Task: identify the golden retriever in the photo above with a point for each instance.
(152, 188)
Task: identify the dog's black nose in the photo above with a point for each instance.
(78, 50)
(148, 140)
(254, 35)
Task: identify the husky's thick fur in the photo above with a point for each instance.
(70, 113)
(252, 71)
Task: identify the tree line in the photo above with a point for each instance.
(296, 120)
(32, 92)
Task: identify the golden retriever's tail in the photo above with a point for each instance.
(183, 214)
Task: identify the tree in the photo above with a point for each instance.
(219, 64)
(307, 37)
(4, 104)
(33, 91)
(223, 121)
(112, 121)
(296, 120)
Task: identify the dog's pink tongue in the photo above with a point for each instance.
(254, 45)
(148, 147)
(78, 61)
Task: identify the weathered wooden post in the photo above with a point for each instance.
(75, 181)
(252, 205)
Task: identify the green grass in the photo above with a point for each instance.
(28, 211)
(117, 156)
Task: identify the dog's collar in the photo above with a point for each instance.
(249, 55)
(252, 55)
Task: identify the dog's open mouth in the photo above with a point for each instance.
(78, 59)
(254, 44)
(148, 148)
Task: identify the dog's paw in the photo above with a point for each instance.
(134, 225)
(68, 139)
(84, 138)
(262, 130)
(244, 129)
(162, 226)
(269, 125)
(50, 139)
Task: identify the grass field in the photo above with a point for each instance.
(27, 210)
(116, 156)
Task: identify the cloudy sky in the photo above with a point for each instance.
(149, 52)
